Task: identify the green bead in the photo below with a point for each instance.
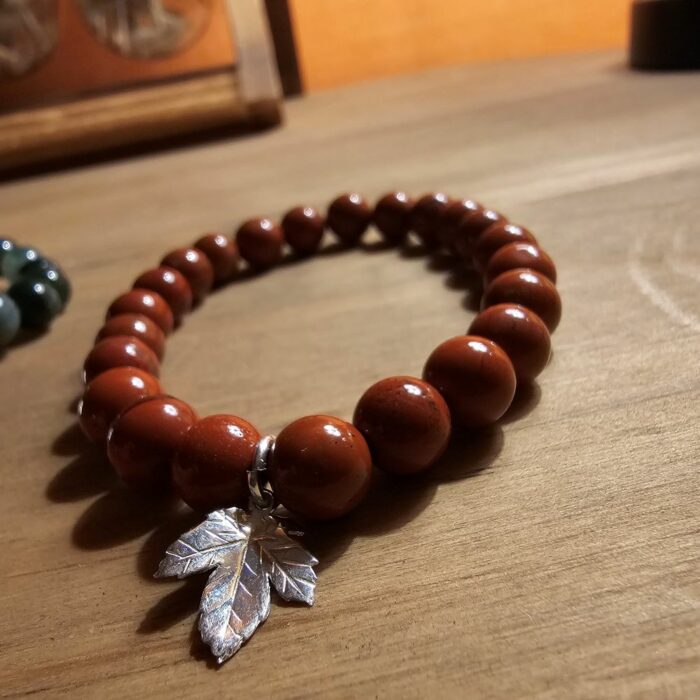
(45, 270)
(6, 245)
(15, 259)
(39, 303)
(10, 320)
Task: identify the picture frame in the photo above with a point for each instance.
(243, 95)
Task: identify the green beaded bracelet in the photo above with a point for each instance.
(39, 290)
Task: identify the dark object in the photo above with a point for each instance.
(494, 238)
(195, 267)
(392, 216)
(349, 215)
(303, 230)
(285, 46)
(222, 253)
(521, 333)
(260, 243)
(426, 218)
(470, 228)
(665, 34)
(529, 289)
(45, 270)
(171, 285)
(120, 351)
(38, 303)
(475, 377)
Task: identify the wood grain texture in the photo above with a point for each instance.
(556, 556)
(247, 96)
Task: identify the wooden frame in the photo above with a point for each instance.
(246, 97)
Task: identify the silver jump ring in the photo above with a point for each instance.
(260, 492)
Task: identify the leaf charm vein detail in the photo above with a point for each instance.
(246, 553)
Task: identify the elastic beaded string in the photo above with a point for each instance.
(39, 290)
(320, 466)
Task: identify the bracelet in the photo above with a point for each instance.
(39, 290)
(318, 467)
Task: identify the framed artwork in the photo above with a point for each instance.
(78, 76)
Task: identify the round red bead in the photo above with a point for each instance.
(515, 255)
(303, 230)
(406, 423)
(119, 351)
(171, 285)
(494, 238)
(320, 468)
(471, 227)
(527, 288)
(452, 217)
(195, 267)
(426, 218)
(392, 216)
(211, 464)
(474, 376)
(144, 302)
(109, 394)
(144, 438)
(348, 217)
(136, 326)
(260, 242)
(520, 333)
(222, 253)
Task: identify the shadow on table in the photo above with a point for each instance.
(118, 516)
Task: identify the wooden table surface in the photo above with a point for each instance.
(553, 557)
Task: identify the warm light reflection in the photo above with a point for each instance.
(478, 346)
(412, 389)
(332, 430)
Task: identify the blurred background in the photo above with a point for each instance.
(117, 72)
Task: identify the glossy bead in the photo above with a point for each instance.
(10, 320)
(143, 440)
(515, 255)
(303, 230)
(527, 288)
(471, 227)
(109, 394)
(222, 254)
(494, 238)
(14, 258)
(406, 423)
(349, 215)
(426, 218)
(146, 303)
(392, 216)
(474, 376)
(6, 245)
(520, 333)
(119, 351)
(47, 271)
(38, 303)
(136, 326)
(211, 464)
(452, 217)
(171, 285)
(260, 243)
(320, 468)
(195, 267)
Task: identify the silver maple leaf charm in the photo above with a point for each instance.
(247, 552)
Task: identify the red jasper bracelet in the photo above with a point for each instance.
(318, 467)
